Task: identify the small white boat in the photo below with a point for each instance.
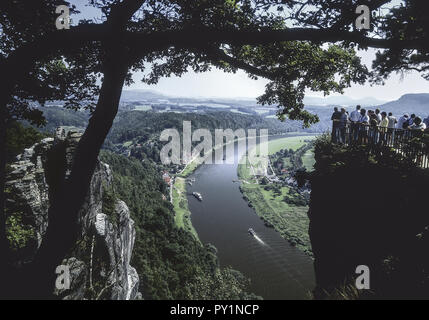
(197, 195)
(252, 232)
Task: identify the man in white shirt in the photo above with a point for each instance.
(362, 123)
(391, 128)
(392, 121)
(378, 114)
(401, 121)
(354, 118)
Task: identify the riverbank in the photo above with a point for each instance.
(290, 220)
(179, 192)
(182, 217)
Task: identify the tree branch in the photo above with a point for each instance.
(122, 12)
(21, 60)
(220, 55)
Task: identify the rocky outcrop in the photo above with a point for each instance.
(119, 245)
(28, 183)
(104, 251)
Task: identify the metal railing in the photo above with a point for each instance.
(404, 141)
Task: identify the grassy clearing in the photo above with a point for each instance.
(289, 220)
(182, 217)
(127, 143)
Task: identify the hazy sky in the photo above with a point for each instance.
(219, 84)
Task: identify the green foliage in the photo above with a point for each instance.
(295, 198)
(297, 66)
(68, 76)
(20, 137)
(18, 233)
(108, 205)
(405, 22)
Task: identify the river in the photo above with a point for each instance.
(276, 269)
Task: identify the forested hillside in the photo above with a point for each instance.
(57, 116)
(129, 125)
(137, 133)
(170, 262)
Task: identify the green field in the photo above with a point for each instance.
(289, 220)
(293, 143)
(182, 215)
(255, 160)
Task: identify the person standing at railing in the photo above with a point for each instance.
(403, 122)
(378, 116)
(354, 126)
(412, 119)
(335, 125)
(344, 119)
(391, 128)
(416, 130)
(373, 130)
(384, 124)
(392, 121)
(363, 125)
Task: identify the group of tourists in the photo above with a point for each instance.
(373, 126)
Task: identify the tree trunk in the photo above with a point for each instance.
(63, 225)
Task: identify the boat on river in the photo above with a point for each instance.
(252, 232)
(197, 195)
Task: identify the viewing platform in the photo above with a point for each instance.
(408, 142)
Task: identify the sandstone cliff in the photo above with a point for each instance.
(100, 263)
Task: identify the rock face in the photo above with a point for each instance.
(119, 246)
(28, 182)
(107, 252)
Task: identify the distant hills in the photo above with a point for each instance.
(417, 103)
(129, 96)
(342, 101)
(144, 95)
(138, 95)
(142, 100)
